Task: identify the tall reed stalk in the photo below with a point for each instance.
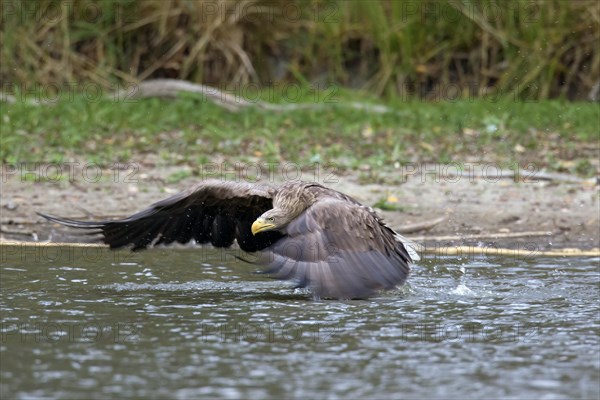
(530, 49)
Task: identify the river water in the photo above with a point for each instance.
(85, 322)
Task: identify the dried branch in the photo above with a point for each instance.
(169, 88)
(498, 235)
(420, 226)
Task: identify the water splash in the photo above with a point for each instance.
(462, 290)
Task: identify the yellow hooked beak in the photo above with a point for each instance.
(261, 225)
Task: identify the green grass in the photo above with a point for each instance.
(556, 135)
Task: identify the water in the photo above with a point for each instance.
(197, 323)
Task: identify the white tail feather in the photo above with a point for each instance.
(410, 246)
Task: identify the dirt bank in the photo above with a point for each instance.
(480, 211)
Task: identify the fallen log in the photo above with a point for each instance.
(447, 251)
(475, 250)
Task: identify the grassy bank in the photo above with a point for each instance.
(559, 136)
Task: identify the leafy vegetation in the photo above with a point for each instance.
(535, 49)
(554, 134)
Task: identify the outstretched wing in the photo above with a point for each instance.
(339, 249)
(212, 211)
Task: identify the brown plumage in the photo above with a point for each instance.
(316, 236)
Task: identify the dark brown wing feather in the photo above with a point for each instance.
(212, 211)
(339, 249)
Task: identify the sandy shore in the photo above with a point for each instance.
(478, 211)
